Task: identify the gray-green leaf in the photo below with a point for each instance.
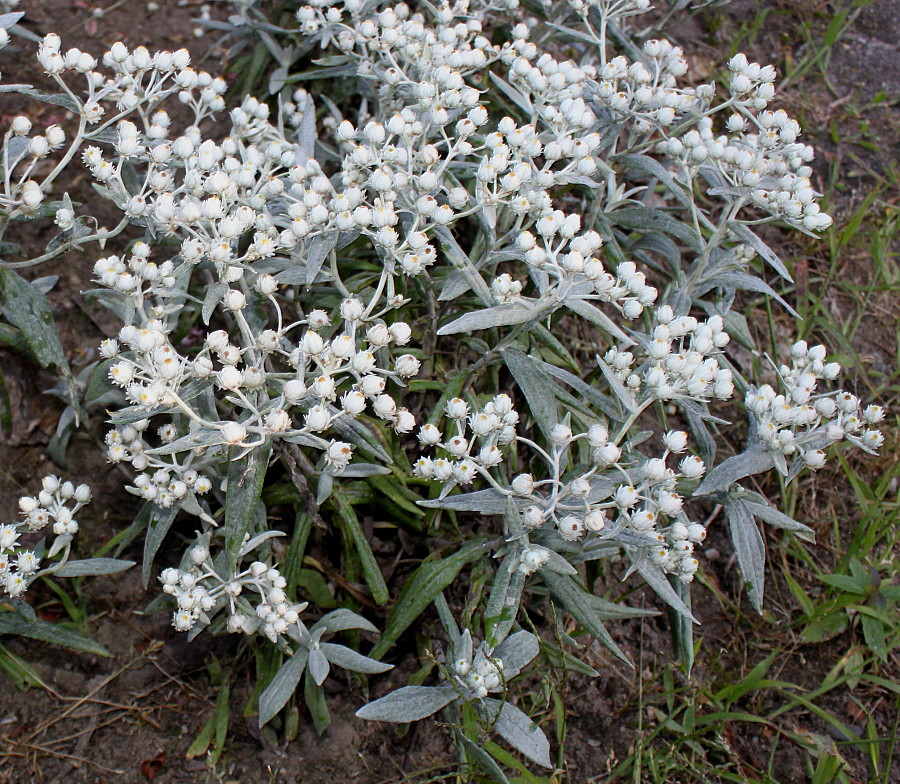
(517, 729)
(282, 686)
(407, 704)
(318, 666)
(93, 566)
(349, 659)
(748, 547)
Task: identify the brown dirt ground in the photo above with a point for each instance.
(130, 718)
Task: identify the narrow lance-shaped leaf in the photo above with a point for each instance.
(421, 589)
(516, 651)
(349, 659)
(318, 665)
(245, 481)
(371, 571)
(649, 219)
(93, 566)
(597, 317)
(160, 521)
(682, 627)
(744, 234)
(26, 307)
(754, 461)
(315, 703)
(772, 516)
(317, 250)
(490, 501)
(497, 316)
(342, 619)
(575, 601)
(409, 703)
(482, 759)
(748, 547)
(517, 729)
(657, 580)
(537, 388)
(10, 623)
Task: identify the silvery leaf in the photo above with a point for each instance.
(282, 686)
(503, 315)
(211, 299)
(706, 444)
(748, 547)
(349, 659)
(206, 436)
(362, 470)
(558, 564)
(602, 402)
(519, 731)
(342, 619)
(745, 235)
(490, 501)
(772, 516)
(409, 703)
(464, 649)
(657, 580)
(257, 540)
(315, 253)
(306, 131)
(610, 611)
(58, 544)
(622, 393)
(661, 245)
(93, 566)
(597, 317)
(292, 276)
(741, 280)
(649, 219)
(8, 20)
(318, 666)
(359, 435)
(461, 262)
(753, 461)
(736, 325)
(324, 487)
(518, 98)
(575, 600)
(537, 388)
(482, 759)
(516, 651)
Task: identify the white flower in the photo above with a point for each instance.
(814, 459)
(571, 528)
(233, 433)
(407, 365)
(8, 537)
(317, 419)
(676, 441)
(339, 454)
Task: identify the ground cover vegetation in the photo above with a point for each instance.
(443, 344)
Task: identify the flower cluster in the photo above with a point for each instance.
(55, 506)
(253, 598)
(803, 419)
(477, 674)
(617, 492)
(475, 448)
(674, 360)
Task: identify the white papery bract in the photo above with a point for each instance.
(53, 509)
(803, 418)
